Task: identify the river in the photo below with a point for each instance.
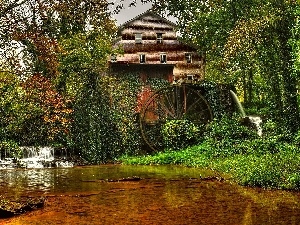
(158, 195)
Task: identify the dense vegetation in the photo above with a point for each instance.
(227, 147)
(251, 44)
(55, 88)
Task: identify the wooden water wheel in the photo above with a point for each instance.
(178, 102)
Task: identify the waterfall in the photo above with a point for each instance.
(41, 153)
(255, 120)
(37, 157)
(238, 103)
(42, 157)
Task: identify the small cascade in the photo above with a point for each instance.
(257, 121)
(7, 163)
(46, 153)
(36, 157)
(248, 120)
(238, 103)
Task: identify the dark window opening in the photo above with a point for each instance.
(188, 57)
(190, 77)
(138, 38)
(142, 58)
(159, 38)
(163, 58)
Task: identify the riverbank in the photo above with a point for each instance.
(156, 195)
(11, 206)
(256, 163)
(225, 146)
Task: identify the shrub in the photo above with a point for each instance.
(10, 149)
(296, 139)
(178, 134)
(293, 181)
(212, 92)
(276, 131)
(227, 136)
(229, 129)
(105, 119)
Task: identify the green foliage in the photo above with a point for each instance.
(10, 149)
(31, 112)
(273, 166)
(123, 93)
(188, 157)
(157, 83)
(274, 130)
(268, 162)
(227, 128)
(257, 109)
(178, 134)
(269, 170)
(13, 107)
(252, 44)
(37, 36)
(105, 123)
(83, 59)
(96, 132)
(212, 95)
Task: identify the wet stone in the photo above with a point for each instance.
(10, 208)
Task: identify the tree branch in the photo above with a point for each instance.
(11, 6)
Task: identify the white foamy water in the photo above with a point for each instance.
(35, 157)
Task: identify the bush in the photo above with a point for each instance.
(296, 138)
(274, 130)
(10, 149)
(279, 170)
(229, 129)
(105, 119)
(227, 137)
(178, 134)
(251, 161)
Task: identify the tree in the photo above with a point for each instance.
(31, 30)
(98, 130)
(55, 46)
(51, 125)
(247, 39)
(32, 112)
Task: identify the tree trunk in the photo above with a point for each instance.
(291, 109)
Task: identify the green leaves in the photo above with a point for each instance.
(178, 134)
(229, 148)
(32, 112)
(105, 123)
(251, 44)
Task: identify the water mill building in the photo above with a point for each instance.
(152, 49)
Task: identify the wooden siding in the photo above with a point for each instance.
(149, 25)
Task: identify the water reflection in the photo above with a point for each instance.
(165, 195)
(55, 180)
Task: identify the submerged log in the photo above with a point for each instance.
(134, 178)
(213, 178)
(126, 179)
(10, 208)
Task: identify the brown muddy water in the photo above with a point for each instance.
(163, 195)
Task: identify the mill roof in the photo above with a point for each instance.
(149, 12)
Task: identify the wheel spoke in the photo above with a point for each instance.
(186, 95)
(165, 109)
(193, 104)
(174, 102)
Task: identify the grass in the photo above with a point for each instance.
(259, 163)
